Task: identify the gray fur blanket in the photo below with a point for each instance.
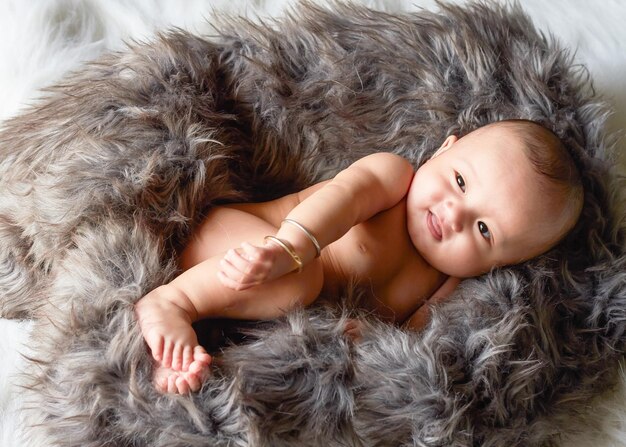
(103, 180)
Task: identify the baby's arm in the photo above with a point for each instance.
(370, 185)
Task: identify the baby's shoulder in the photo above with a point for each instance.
(385, 161)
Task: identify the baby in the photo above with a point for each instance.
(500, 195)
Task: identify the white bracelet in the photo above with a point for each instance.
(308, 234)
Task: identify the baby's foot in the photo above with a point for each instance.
(167, 380)
(164, 318)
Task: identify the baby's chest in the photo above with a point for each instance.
(374, 250)
(379, 254)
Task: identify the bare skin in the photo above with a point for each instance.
(377, 221)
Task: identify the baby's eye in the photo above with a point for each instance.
(460, 181)
(484, 230)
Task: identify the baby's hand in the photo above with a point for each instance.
(250, 265)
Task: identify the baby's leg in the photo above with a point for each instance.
(165, 314)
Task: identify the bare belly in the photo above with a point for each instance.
(377, 255)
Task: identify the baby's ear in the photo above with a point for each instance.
(447, 144)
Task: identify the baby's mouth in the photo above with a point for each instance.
(434, 226)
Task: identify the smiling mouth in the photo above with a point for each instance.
(434, 226)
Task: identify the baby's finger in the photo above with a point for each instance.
(260, 255)
(243, 279)
(258, 264)
(231, 284)
(231, 271)
(250, 251)
(238, 261)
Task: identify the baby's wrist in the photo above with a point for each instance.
(284, 253)
(314, 242)
(299, 241)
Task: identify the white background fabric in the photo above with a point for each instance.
(40, 40)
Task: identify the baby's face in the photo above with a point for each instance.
(477, 204)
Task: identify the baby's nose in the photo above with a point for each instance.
(455, 215)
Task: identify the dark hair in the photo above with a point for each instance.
(553, 162)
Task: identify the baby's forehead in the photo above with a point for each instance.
(490, 148)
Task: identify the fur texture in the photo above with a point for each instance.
(105, 178)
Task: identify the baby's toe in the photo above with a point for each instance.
(181, 385)
(198, 368)
(166, 361)
(193, 380)
(198, 372)
(200, 355)
(187, 357)
(160, 380)
(177, 357)
(156, 347)
(171, 384)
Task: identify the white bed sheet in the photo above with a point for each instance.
(41, 40)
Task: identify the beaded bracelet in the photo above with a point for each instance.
(308, 234)
(288, 248)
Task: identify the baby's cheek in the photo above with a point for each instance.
(465, 260)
